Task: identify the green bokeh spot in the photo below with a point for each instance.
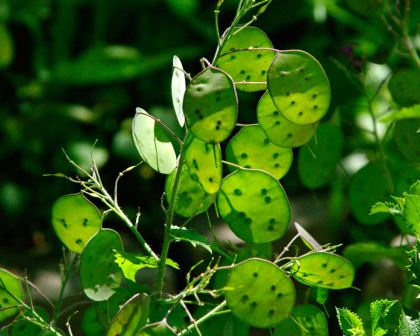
(323, 269)
(280, 130)
(318, 160)
(204, 161)
(153, 143)
(259, 293)
(368, 186)
(405, 87)
(250, 148)
(191, 198)
(239, 58)
(75, 220)
(254, 205)
(9, 289)
(211, 105)
(99, 274)
(131, 317)
(308, 316)
(299, 87)
(407, 138)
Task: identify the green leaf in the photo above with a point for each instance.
(10, 289)
(412, 213)
(305, 320)
(404, 87)
(131, 317)
(409, 326)
(278, 129)
(385, 316)
(178, 87)
(350, 323)
(299, 87)
(204, 161)
(407, 138)
(415, 188)
(250, 148)
(211, 105)
(152, 143)
(254, 205)
(368, 186)
(90, 324)
(99, 275)
(246, 57)
(385, 207)
(259, 293)
(131, 263)
(320, 295)
(404, 113)
(191, 198)
(190, 236)
(25, 325)
(360, 253)
(323, 269)
(75, 221)
(318, 160)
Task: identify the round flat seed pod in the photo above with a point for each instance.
(10, 289)
(368, 186)
(99, 274)
(299, 87)
(248, 68)
(323, 269)
(211, 105)
(254, 205)
(131, 317)
(318, 160)
(191, 198)
(24, 327)
(153, 143)
(250, 148)
(404, 86)
(280, 130)
(246, 38)
(407, 138)
(178, 87)
(204, 161)
(260, 293)
(75, 221)
(308, 316)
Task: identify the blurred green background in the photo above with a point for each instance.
(73, 72)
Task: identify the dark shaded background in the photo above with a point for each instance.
(78, 68)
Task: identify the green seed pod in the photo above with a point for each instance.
(153, 143)
(204, 161)
(299, 87)
(211, 105)
(280, 130)
(323, 269)
(191, 198)
(254, 205)
(250, 148)
(259, 293)
(99, 274)
(10, 291)
(75, 221)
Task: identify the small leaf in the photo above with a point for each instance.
(385, 207)
(299, 87)
(130, 263)
(10, 289)
(404, 113)
(99, 275)
(211, 105)
(131, 317)
(178, 87)
(190, 236)
(350, 323)
(75, 221)
(152, 143)
(412, 213)
(260, 293)
(323, 269)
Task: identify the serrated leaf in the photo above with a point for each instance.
(153, 143)
(190, 236)
(385, 316)
(412, 213)
(75, 221)
(415, 188)
(385, 207)
(178, 87)
(131, 263)
(350, 323)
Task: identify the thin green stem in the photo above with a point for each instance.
(168, 224)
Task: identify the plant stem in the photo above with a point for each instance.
(202, 319)
(168, 224)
